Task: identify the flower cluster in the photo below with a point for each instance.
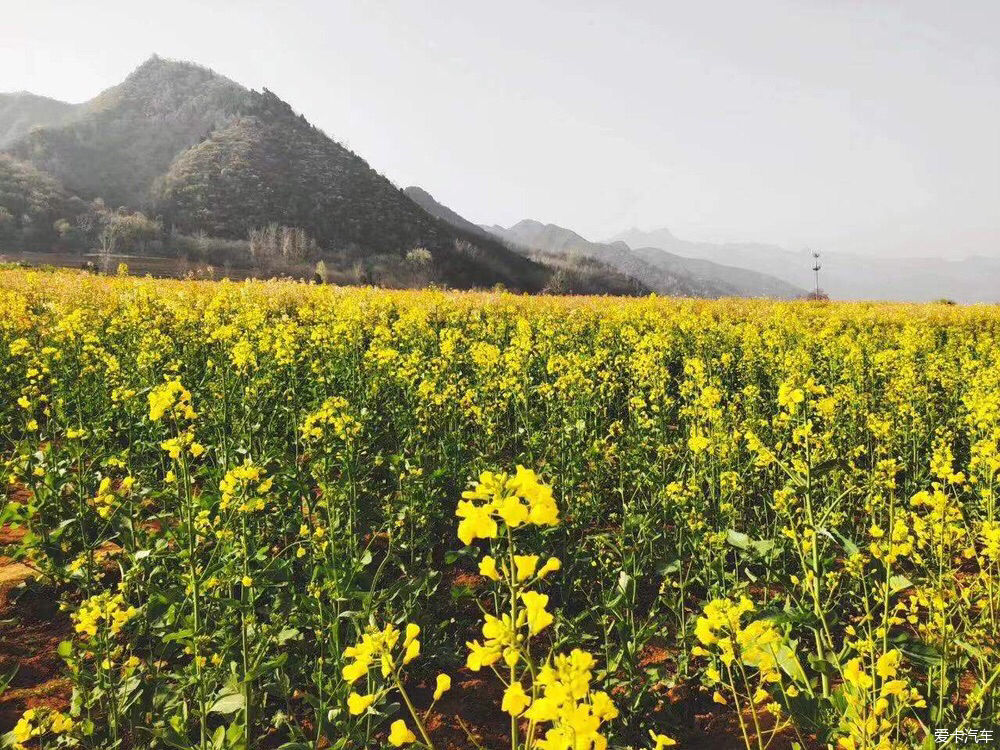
(875, 697)
(35, 723)
(170, 398)
(105, 610)
(759, 645)
(247, 483)
(332, 419)
(184, 441)
(384, 650)
(515, 500)
(756, 645)
(557, 693)
(566, 701)
(107, 497)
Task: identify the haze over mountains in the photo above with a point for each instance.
(662, 272)
(227, 175)
(845, 275)
(650, 264)
(22, 110)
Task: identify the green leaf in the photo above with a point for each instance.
(805, 710)
(849, 546)
(899, 583)
(825, 467)
(624, 579)
(974, 651)
(673, 566)
(288, 634)
(762, 546)
(462, 591)
(234, 735)
(228, 704)
(921, 653)
(6, 679)
(789, 663)
(738, 539)
(743, 541)
(823, 666)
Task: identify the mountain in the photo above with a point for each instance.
(845, 275)
(31, 202)
(746, 282)
(22, 111)
(767, 259)
(426, 201)
(118, 143)
(550, 239)
(211, 157)
(572, 269)
(664, 272)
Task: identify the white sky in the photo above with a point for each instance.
(867, 126)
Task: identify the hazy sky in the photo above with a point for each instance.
(863, 126)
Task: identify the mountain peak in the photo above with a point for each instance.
(156, 65)
(418, 194)
(531, 224)
(161, 87)
(212, 158)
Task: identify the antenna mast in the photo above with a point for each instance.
(816, 266)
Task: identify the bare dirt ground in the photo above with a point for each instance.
(32, 626)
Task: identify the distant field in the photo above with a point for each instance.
(137, 265)
(281, 515)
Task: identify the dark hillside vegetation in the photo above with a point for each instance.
(207, 158)
(270, 164)
(127, 136)
(22, 111)
(31, 205)
(180, 162)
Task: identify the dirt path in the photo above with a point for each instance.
(31, 627)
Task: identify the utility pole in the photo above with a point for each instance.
(816, 267)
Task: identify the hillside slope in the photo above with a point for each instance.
(663, 272)
(30, 204)
(21, 111)
(845, 275)
(550, 239)
(427, 202)
(572, 270)
(746, 282)
(122, 140)
(209, 156)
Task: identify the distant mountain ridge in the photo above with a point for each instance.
(208, 159)
(553, 239)
(661, 272)
(579, 269)
(664, 272)
(845, 275)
